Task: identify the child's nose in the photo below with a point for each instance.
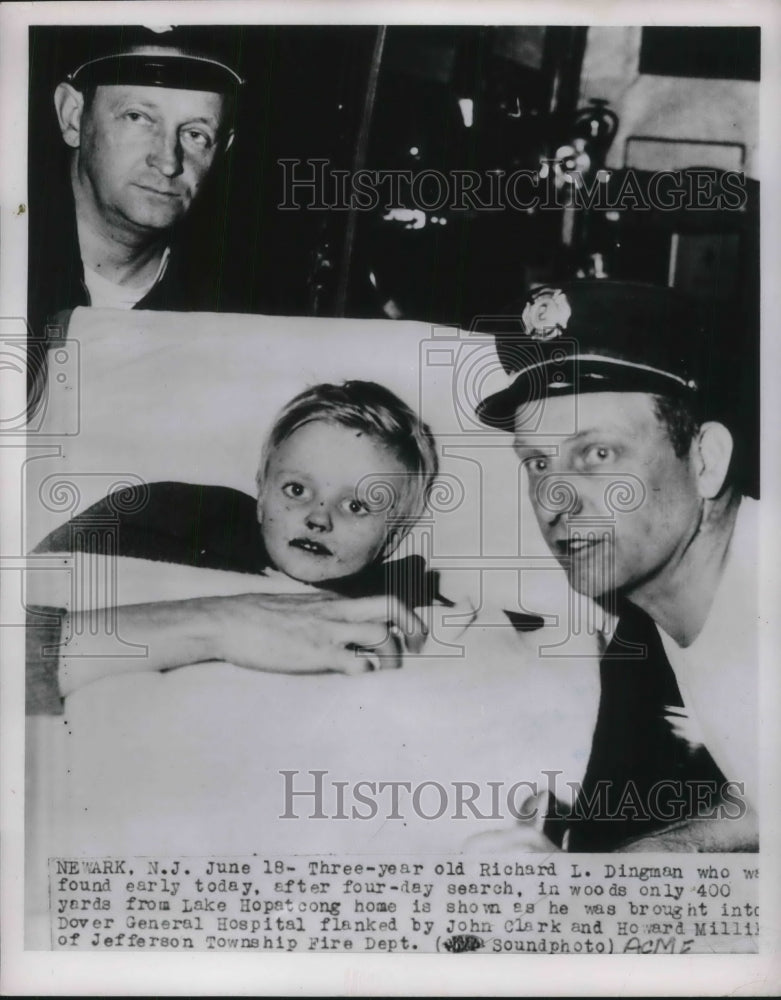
(319, 518)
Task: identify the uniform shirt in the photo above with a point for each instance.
(718, 673)
(641, 776)
(105, 294)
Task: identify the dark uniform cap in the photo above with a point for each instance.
(599, 336)
(181, 58)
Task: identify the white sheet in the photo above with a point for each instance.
(188, 761)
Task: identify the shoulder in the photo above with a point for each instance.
(185, 523)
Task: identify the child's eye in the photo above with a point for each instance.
(356, 507)
(296, 491)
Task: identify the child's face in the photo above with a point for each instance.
(313, 524)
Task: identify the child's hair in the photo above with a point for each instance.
(379, 413)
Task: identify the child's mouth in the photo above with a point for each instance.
(311, 546)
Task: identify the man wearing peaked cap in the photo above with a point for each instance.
(146, 116)
(594, 336)
(178, 57)
(612, 405)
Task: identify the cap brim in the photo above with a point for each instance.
(176, 71)
(576, 374)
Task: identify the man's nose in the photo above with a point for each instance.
(558, 497)
(166, 154)
(319, 518)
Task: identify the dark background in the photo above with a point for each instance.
(709, 53)
(305, 97)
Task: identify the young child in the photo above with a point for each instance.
(343, 476)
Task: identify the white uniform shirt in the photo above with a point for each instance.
(718, 673)
(107, 294)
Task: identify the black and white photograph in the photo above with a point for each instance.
(389, 499)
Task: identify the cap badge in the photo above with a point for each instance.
(546, 314)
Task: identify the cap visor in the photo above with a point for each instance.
(550, 379)
(179, 72)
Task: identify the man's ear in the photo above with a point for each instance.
(69, 105)
(711, 454)
(259, 508)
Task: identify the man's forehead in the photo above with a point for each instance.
(203, 103)
(564, 417)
